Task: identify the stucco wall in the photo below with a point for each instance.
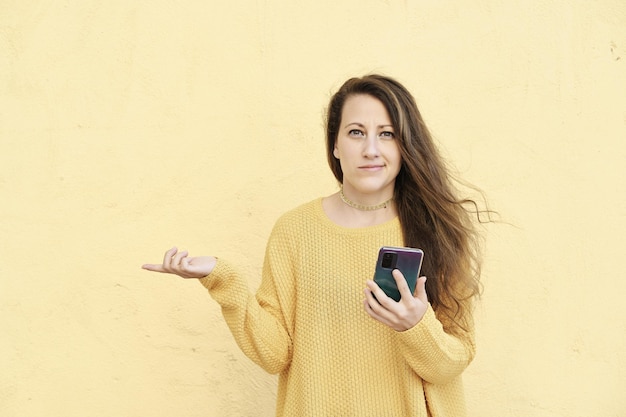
(128, 127)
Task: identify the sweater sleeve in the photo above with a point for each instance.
(436, 356)
(256, 322)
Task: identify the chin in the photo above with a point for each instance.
(372, 187)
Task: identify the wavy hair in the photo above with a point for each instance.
(431, 214)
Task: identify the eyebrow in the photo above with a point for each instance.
(362, 125)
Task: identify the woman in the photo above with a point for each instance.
(307, 321)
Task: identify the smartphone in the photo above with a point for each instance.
(407, 260)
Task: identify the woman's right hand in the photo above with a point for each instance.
(179, 263)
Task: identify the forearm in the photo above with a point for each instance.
(257, 331)
(436, 356)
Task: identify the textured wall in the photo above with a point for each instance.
(128, 127)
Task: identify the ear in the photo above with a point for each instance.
(336, 153)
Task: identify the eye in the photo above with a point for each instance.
(387, 135)
(355, 133)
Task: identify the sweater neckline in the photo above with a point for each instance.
(321, 214)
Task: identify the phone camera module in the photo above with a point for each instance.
(389, 260)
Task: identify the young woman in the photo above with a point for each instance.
(341, 347)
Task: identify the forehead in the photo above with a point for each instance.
(363, 107)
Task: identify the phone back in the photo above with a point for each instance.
(407, 260)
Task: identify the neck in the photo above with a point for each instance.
(343, 215)
(364, 207)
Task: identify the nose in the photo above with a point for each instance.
(370, 147)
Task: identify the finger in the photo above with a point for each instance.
(403, 286)
(167, 258)
(379, 302)
(176, 260)
(186, 266)
(367, 306)
(420, 290)
(369, 298)
(377, 292)
(153, 267)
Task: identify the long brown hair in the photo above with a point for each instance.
(431, 215)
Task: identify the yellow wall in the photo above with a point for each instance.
(128, 127)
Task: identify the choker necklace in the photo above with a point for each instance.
(362, 207)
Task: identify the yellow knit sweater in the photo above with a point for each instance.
(307, 324)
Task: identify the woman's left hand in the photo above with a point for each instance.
(401, 315)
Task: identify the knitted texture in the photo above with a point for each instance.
(307, 324)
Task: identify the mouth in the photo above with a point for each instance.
(371, 167)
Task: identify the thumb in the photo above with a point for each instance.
(420, 290)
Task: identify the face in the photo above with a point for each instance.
(367, 150)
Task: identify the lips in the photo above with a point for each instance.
(371, 167)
